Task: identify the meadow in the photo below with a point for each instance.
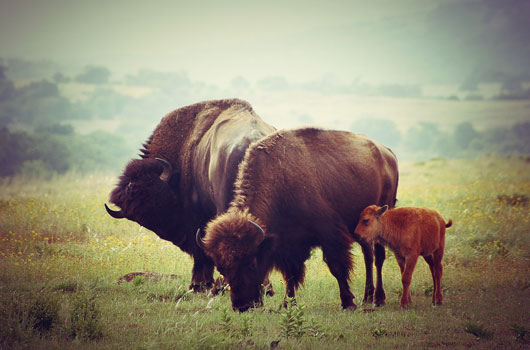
(61, 257)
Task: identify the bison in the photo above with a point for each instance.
(297, 190)
(185, 174)
(409, 232)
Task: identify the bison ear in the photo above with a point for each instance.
(381, 210)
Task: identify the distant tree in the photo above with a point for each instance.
(422, 137)
(60, 78)
(105, 103)
(8, 110)
(382, 130)
(39, 89)
(464, 134)
(57, 129)
(7, 88)
(15, 148)
(274, 83)
(94, 75)
(163, 80)
(240, 83)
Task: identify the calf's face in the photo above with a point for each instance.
(369, 225)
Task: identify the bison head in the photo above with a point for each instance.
(144, 195)
(369, 226)
(235, 242)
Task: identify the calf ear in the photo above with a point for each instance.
(381, 210)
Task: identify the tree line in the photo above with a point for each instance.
(426, 140)
(38, 137)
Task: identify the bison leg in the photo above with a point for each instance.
(202, 273)
(293, 275)
(368, 254)
(269, 290)
(380, 256)
(340, 264)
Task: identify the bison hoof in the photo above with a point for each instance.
(368, 299)
(351, 307)
(200, 287)
(380, 302)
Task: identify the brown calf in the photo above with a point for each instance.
(409, 233)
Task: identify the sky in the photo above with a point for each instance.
(378, 42)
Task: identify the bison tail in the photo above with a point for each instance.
(449, 223)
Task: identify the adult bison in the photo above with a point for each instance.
(297, 190)
(186, 173)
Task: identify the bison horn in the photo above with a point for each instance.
(166, 174)
(198, 238)
(116, 214)
(258, 227)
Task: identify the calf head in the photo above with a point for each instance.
(369, 226)
(235, 242)
(145, 196)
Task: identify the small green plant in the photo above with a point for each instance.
(44, 312)
(246, 326)
(292, 323)
(520, 332)
(226, 321)
(66, 286)
(478, 331)
(138, 281)
(85, 317)
(379, 330)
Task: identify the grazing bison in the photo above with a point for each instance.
(409, 232)
(297, 190)
(186, 173)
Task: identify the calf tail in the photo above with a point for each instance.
(449, 223)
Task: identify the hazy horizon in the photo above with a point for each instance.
(380, 42)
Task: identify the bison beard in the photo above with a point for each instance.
(186, 173)
(297, 190)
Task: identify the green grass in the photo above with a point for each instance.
(61, 256)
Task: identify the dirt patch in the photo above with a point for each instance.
(148, 276)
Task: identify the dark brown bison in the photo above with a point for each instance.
(297, 190)
(186, 173)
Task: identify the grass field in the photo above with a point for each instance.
(61, 256)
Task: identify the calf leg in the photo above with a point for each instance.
(368, 254)
(380, 256)
(340, 263)
(438, 269)
(406, 278)
(430, 261)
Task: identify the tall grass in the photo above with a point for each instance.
(61, 256)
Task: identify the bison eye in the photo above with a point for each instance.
(365, 221)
